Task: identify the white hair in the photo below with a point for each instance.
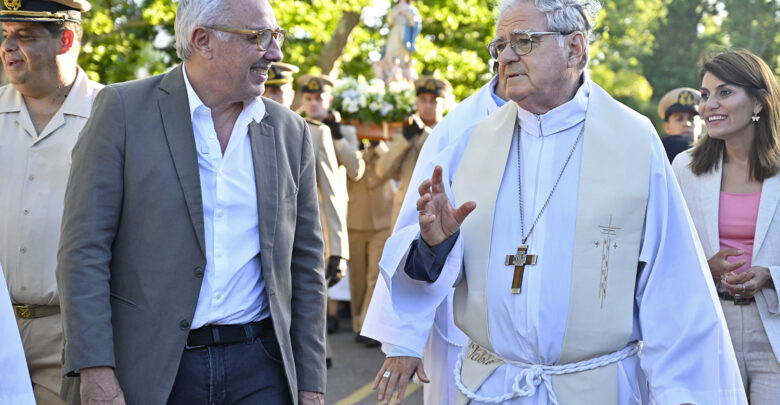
(192, 14)
(565, 16)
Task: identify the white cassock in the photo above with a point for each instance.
(436, 339)
(15, 386)
(687, 354)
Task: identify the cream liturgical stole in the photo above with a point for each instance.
(611, 203)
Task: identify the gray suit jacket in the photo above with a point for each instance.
(131, 256)
(702, 194)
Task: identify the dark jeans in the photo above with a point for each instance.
(238, 373)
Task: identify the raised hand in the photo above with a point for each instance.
(438, 218)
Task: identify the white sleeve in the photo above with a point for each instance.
(687, 354)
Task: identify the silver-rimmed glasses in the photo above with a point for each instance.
(264, 36)
(522, 42)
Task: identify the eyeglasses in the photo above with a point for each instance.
(522, 42)
(264, 36)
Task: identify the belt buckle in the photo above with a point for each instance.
(25, 311)
(740, 300)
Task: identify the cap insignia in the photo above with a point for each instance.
(13, 5)
(313, 85)
(685, 98)
(430, 85)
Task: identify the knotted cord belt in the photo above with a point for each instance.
(532, 375)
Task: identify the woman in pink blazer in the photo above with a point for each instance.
(731, 185)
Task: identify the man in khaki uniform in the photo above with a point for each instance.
(42, 111)
(370, 223)
(680, 110)
(279, 86)
(332, 189)
(399, 161)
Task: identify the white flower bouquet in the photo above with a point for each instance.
(372, 102)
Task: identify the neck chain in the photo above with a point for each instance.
(520, 181)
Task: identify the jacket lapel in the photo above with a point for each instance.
(262, 136)
(709, 202)
(770, 195)
(177, 123)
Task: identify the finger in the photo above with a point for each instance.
(731, 252)
(423, 201)
(464, 210)
(392, 383)
(383, 382)
(437, 184)
(733, 266)
(425, 187)
(421, 373)
(403, 381)
(378, 377)
(426, 219)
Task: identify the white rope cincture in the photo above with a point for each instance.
(445, 338)
(532, 375)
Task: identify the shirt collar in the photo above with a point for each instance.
(255, 108)
(496, 99)
(78, 102)
(559, 118)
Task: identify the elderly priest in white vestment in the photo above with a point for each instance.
(435, 337)
(578, 275)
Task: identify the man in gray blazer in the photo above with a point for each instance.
(191, 258)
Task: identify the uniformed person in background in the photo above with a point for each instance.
(399, 161)
(42, 111)
(370, 222)
(317, 98)
(279, 86)
(679, 109)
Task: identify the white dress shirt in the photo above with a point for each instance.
(233, 289)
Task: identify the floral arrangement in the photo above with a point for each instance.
(371, 101)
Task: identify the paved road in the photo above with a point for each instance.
(354, 369)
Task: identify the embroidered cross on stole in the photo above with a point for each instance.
(519, 260)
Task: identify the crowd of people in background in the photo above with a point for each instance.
(156, 233)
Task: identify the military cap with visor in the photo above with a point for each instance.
(43, 10)
(680, 99)
(315, 84)
(280, 74)
(432, 85)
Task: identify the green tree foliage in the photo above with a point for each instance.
(125, 39)
(642, 48)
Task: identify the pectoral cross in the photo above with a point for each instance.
(519, 260)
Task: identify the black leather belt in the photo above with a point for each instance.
(737, 300)
(210, 335)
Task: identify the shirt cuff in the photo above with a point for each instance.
(424, 262)
(392, 350)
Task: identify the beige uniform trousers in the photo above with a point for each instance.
(365, 250)
(758, 366)
(42, 341)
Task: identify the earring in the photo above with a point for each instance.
(755, 117)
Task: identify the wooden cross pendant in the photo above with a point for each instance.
(519, 260)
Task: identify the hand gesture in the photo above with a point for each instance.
(394, 374)
(720, 266)
(438, 218)
(747, 283)
(100, 386)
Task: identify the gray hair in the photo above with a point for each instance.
(192, 14)
(564, 16)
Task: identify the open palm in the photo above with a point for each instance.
(438, 218)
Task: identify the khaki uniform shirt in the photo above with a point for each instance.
(32, 189)
(399, 162)
(371, 197)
